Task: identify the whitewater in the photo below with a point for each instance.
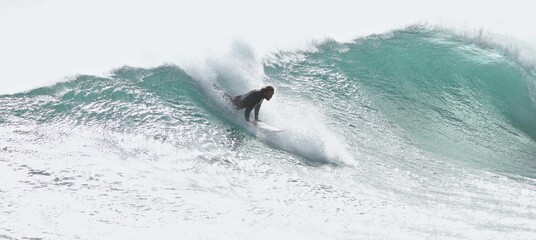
(413, 130)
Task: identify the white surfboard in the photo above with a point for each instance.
(266, 127)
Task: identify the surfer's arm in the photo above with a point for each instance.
(247, 112)
(257, 109)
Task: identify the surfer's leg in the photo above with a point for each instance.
(232, 100)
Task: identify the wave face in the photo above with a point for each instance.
(415, 134)
(454, 97)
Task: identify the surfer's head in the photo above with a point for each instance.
(268, 92)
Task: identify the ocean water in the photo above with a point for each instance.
(418, 133)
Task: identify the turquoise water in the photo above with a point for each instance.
(451, 98)
(415, 134)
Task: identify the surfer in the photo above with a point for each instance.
(252, 99)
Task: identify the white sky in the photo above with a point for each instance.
(42, 41)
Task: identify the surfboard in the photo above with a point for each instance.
(266, 127)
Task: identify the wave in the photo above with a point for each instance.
(163, 103)
(451, 96)
(419, 89)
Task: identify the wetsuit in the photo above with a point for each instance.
(249, 101)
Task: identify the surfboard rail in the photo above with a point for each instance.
(266, 127)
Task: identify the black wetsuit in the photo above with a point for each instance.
(249, 101)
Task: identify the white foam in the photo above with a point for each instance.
(306, 132)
